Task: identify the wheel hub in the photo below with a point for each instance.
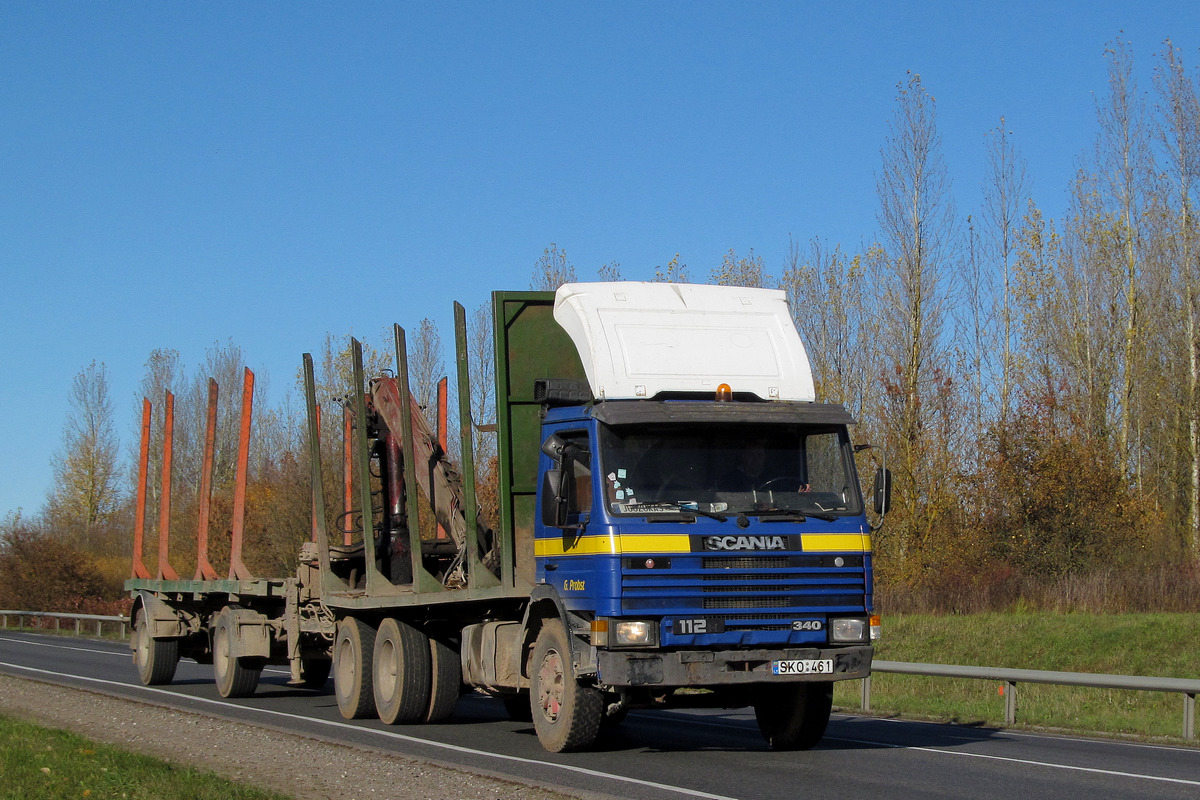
(551, 685)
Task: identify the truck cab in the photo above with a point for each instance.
(701, 513)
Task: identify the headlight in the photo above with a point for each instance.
(847, 630)
(633, 633)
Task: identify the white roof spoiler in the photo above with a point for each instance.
(639, 339)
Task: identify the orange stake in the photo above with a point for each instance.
(139, 521)
(205, 570)
(236, 568)
(164, 504)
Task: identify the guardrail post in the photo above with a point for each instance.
(1010, 702)
(866, 693)
(1189, 715)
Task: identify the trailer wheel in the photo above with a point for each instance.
(236, 676)
(352, 683)
(566, 715)
(156, 659)
(793, 716)
(447, 681)
(403, 668)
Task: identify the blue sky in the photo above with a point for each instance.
(180, 174)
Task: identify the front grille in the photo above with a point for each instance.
(745, 562)
(703, 584)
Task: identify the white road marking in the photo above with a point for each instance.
(389, 734)
(1047, 764)
(125, 654)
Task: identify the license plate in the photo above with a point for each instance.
(803, 666)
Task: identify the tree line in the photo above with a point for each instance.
(1033, 383)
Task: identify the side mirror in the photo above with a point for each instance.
(554, 446)
(556, 498)
(882, 490)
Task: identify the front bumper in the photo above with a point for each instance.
(702, 668)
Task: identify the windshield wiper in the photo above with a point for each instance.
(695, 509)
(790, 515)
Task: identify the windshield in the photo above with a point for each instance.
(728, 468)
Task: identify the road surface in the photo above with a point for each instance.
(677, 754)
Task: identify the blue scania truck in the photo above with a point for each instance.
(680, 524)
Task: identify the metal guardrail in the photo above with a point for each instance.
(57, 617)
(1189, 688)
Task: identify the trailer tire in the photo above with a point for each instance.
(156, 659)
(403, 670)
(446, 674)
(353, 650)
(236, 676)
(793, 716)
(566, 715)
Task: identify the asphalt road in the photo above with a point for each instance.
(708, 754)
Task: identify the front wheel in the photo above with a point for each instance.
(566, 715)
(156, 659)
(793, 716)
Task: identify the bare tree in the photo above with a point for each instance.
(917, 225)
(749, 271)
(1005, 190)
(87, 479)
(1124, 162)
(552, 270)
(1178, 133)
(828, 294)
(610, 272)
(673, 272)
(426, 365)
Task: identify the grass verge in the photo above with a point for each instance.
(1162, 645)
(55, 765)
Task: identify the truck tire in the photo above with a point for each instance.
(566, 715)
(353, 649)
(156, 659)
(447, 681)
(403, 667)
(235, 676)
(793, 716)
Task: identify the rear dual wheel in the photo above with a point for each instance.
(417, 678)
(353, 683)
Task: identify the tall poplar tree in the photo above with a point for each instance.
(917, 227)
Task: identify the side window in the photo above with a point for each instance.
(826, 467)
(580, 466)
